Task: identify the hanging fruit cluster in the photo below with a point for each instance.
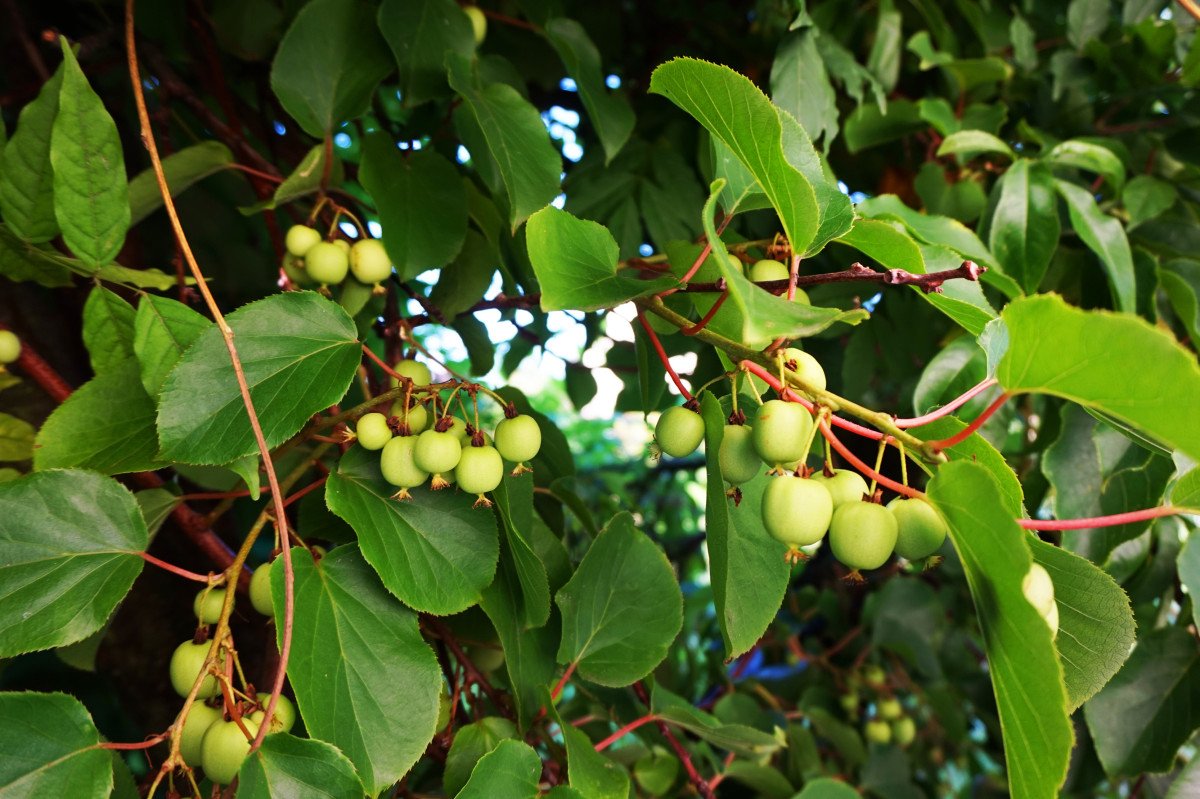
(886, 714)
(311, 259)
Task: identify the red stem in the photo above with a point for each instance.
(791, 396)
(146, 744)
(700, 784)
(703, 323)
(662, 356)
(310, 487)
(866, 470)
(704, 253)
(162, 564)
(382, 363)
(965, 433)
(1102, 521)
(621, 733)
(949, 407)
(562, 683)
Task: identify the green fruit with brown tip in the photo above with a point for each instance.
(921, 528)
(862, 535)
(200, 717)
(878, 732)
(805, 367)
(518, 439)
(284, 717)
(207, 605)
(414, 370)
(293, 267)
(437, 452)
(225, 748)
(767, 269)
(187, 661)
(874, 676)
(373, 431)
(260, 590)
(398, 464)
(738, 459)
(844, 486)
(679, 431)
(326, 263)
(890, 708)
(479, 470)
(369, 261)
(781, 430)
(300, 239)
(418, 416)
(796, 510)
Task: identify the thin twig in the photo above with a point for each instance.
(681, 751)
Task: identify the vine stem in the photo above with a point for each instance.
(700, 784)
(146, 744)
(562, 683)
(965, 433)
(1115, 519)
(147, 135)
(857, 463)
(621, 733)
(950, 407)
(662, 355)
(162, 564)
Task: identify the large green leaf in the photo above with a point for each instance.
(287, 766)
(621, 609)
(608, 112)
(1090, 156)
(514, 135)
(512, 770)
(1188, 564)
(422, 204)
(514, 500)
(106, 425)
(1113, 363)
(183, 169)
(163, 329)
(471, 742)
(591, 773)
(800, 85)
(1141, 718)
(748, 571)
(91, 196)
(1105, 236)
(299, 352)
(70, 547)
(1023, 231)
(463, 283)
(735, 111)
(329, 63)
(26, 178)
(107, 329)
(435, 552)
(364, 678)
(826, 788)
(1026, 675)
(51, 748)
(420, 33)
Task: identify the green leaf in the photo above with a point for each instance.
(183, 170)
(970, 143)
(512, 770)
(436, 553)
(1146, 196)
(463, 283)
(1114, 363)
(106, 425)
(588, 771)
(21, 261)
(608, 112)
(52, 748)
(299, 352)
(26, 178)
(1025, 671)
(422, 204)
(1180, 280)
(329, 63)
(1089, 156)
(1141, 718)
(163, 329)
(621, 609)
(364, 678)
(1086, 19)
(1023, 231)
(748, 571)
(883, 62)
(305, 179)
(1096, 628)
(735, 111)
(800, 85)
(91, 197)
(16, 438)
(575, 261)
(88, 548)
(421, 33)
(745, 741)
(478, 342)
(137, 278)
(289, 766)
(869, 125)
(471, 742)
(1189, 569)
(518, 142)
(826, 788)
(107, 329)
(514, 500)
(1104, 236)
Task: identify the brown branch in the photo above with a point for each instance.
(473, 674)
(681, 751)
(857, 273)
(1192, 7)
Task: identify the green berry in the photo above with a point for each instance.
(198, 720)
(780, 432)
(293, 267)
(796, 510)
(373, 431)
(224, 749)
(805, 367)
(765, 270)
(890, 708)
(863, 535)
(879, 732)
(300, 239)
(849, 703)
(186, 662)
(478, 23)
(479, 470)
(437, 452)
(845, 486)
(369, 261)
(904, 731)
(414, 370)
(207, 605)
(468, 439)
(284, 717)
(418, 416)
(874, 676)
(398, 465)
(260, 590)
(921, 528)
(518, 439)
(10, 347)
(326, 263)
(679, 431)
(739, 462)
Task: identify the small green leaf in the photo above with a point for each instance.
(89, 548)
(305, 179)
(1189, 570)
(1089, 156)
(289, 766)
(588, 771)
(512, 770)
(622, 608)
(329, 63)
(183, 169)
(800, 85)
(299, 352)
(1024, 229)
(826, 788)
(746, 741)
(869, 125)
(1086, 20)
(26, 178)
(52, 748)
(1114, 363)
(471, 742)
(16, 438)
(137, 278)
(608, 112)
(463, 282)
(107, 329)
(970, 143)
(22, 261)
(163, 329)
(1104, 236)
(1180, 280)
(436, 552)
(422, 204)
(364, 678)
(1146, 196)
(420, 34)
(91, 196)
(514, 500)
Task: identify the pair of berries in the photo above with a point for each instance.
(219, 746)
(311, 259)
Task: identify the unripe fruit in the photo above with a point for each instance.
(478, 23)
(487, 658)
(874, 676)
(186, 662)
(780, 432)
(845, 486)
(805, 367)
(468, 439)
(904, 731)
(398, 465)
(679, 431)
(373, 431)
(224, 749)
(369, 261)
(437, 452)
(890, 709)
(414, 370)
(849, 703)
(343, 245)
(739, 462)
(199, 719)
(207, 605)
(879, 732)
(796, 510)
(765, 270)
(260, 590)
(293, 267)
(921, 529)
(479, 470)
(519, 439)
(10, 346)
(300, 239)
(326, 263)
(863, 535)
(418, 416)
(284, 717)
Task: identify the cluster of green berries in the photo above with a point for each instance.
(883, 718)
(312, 260)
(799, 507)
(10, 347)
(209, 739)
(415, 448)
